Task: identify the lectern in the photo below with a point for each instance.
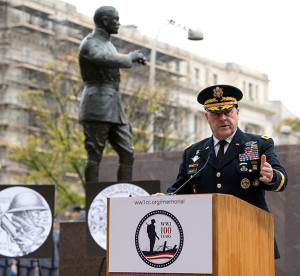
(242, 235)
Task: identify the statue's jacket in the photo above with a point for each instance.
(99, 65)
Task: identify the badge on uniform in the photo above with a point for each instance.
(254, 165)
(255, 183)
(192, 171)
(243, 167)
(195, 158)
(194, 189)
(245, 183)
(251, 152)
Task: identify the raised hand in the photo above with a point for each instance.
(266, 170)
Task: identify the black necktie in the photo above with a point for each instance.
(222, 144)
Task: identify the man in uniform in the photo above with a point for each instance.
(26, 267)
(49, 267)
(5, 267)
(240, 164)
(101, 112)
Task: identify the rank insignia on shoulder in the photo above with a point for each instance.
(265, 137)
(188, 147)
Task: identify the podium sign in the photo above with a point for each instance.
(169, 234)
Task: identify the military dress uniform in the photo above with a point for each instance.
(236, 174)
(5, 267)
(26, 267)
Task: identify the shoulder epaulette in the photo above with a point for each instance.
(265, 137)
(188, 147)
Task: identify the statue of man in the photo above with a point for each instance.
(101, 112)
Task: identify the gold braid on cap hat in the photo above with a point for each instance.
(213, 100)
(225, 102)
(224, 99)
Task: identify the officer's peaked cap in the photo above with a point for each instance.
(218, 98)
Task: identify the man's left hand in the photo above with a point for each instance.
(266, 170)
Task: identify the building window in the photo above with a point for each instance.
(176, 65)
(215, 78)
(196, 124)
(251, 94)
(196, 76)
(251, 128)
(257, 93)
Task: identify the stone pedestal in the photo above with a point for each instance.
(72, 252)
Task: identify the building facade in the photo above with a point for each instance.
(35, 32)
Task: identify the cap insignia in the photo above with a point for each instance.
(218, 92)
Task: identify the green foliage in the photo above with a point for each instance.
(150, 111)
(293, 122)
(54, 151)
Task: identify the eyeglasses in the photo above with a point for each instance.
(227, 113)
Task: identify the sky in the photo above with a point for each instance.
(259, 34)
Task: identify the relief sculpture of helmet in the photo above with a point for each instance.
(26, 201)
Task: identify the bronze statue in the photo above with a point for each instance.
(101, 112)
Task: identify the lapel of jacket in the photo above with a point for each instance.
(234, 149)
(209, 147)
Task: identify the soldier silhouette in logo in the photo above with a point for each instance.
(152, 234)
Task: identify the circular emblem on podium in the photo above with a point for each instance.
(159, 238)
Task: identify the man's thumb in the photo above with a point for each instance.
(263, 160)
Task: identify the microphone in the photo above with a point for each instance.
(209, 155)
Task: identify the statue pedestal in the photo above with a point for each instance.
(72, 252)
